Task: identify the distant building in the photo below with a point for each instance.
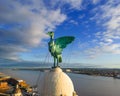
(4, 87)
(12, 86)
(17, 91)
(68, 70)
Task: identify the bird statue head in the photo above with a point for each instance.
(51, 34)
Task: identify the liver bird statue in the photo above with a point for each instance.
(57, 45)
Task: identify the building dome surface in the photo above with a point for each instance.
(56, 83)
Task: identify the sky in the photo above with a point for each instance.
(95, 24)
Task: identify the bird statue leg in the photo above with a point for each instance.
(59, 59)
(54, 62)
(57, 62)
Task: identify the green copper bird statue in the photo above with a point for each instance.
(56, 47)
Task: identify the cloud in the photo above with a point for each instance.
(95, 1)
(10, 52)
(73, 4)
(109, 20)
(113, 48)
(73, 22)
(81, 16)
(24, 25)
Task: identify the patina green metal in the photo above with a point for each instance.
(56, 46)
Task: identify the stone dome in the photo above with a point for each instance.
(56, 83)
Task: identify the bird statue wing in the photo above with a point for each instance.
(62, 42)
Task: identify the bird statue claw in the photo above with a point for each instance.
(56, 47)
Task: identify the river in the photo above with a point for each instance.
(84, 85)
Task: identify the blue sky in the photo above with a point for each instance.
(94, 23)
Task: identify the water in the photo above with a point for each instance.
(84, 85)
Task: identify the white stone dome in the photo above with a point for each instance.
(56, 83)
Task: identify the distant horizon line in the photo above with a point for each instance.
(33, 68)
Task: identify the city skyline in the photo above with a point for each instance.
(95, 24)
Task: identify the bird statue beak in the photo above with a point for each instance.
(48, 33)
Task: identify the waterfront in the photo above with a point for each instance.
(84, 85)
